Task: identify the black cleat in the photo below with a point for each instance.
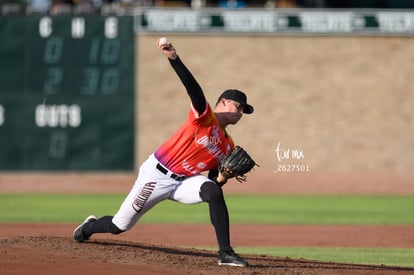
(230, 258)
(78, 234)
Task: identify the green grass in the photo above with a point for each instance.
(52, 208)
(323, 209)
(354, 210)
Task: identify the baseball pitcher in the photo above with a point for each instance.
(173, 171)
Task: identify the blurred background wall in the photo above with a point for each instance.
(344, 102)
(333, 113)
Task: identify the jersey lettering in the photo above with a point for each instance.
(211, 146)
(197, 146)
(142, 197)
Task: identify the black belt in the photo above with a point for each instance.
(172, 175)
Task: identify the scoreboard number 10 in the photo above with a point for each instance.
(103, 51)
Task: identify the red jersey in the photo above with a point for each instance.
(197, 146)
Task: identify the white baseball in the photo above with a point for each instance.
(163, 41)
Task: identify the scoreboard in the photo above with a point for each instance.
(67, 93)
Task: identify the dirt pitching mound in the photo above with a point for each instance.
(61, 255)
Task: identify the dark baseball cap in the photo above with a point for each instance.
(238, 96)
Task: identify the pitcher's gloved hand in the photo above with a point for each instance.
(236, 164)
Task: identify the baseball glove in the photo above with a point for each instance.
(236, 164)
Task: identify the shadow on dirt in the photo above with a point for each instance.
(257, 264)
